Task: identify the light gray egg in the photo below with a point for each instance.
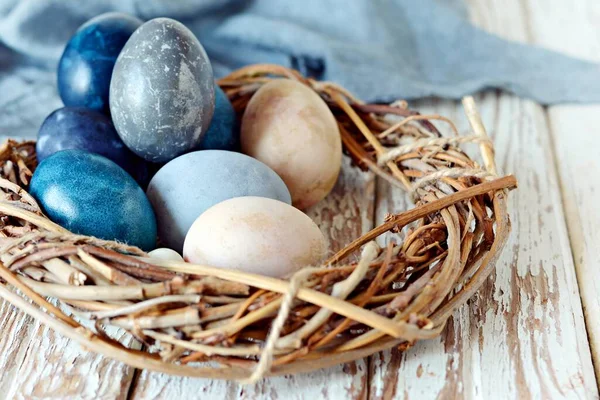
(162, 91)
(192, 183)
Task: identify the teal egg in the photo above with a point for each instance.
(91, 195)
(190, 184)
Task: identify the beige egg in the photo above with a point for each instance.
(287, 126)
(257, 235)
(163, 253)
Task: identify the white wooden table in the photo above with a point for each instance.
(522, 336)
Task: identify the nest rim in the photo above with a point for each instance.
(364, 138)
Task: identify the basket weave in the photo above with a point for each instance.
(248, 326)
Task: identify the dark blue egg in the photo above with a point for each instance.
(90, 195)
(224, 130)
(85, 129)
(86, 66)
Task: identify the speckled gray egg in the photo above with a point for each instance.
(161, 92)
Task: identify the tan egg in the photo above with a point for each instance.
(163, 253)
(257, 235)
(287, 126)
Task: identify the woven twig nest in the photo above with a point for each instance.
(249, 326)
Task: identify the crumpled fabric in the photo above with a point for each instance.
(380, 50)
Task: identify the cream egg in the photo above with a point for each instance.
(163, 253)
(257, 235)
(287, 126)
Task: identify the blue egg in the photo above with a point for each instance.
(224, 130)
(85, 129)
(190, 184)
(90, 195)
(86, 66)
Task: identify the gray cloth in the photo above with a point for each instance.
(381, 50)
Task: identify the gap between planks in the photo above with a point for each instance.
(499, 344)
(448, 344)
(506, 342)
(576, 144)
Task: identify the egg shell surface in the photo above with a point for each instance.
(224, 130)
(89, 194)
(289, 127)
(86, 66)
(89, 130)
(163, 253)
(257, 235)
(162, 91)
(190, 184)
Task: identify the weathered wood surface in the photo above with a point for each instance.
(522, 336)
(501, 341)
(500, 345)
(38, 363)
(576, 138)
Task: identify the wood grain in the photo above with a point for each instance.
(500, 344)
(345, 214)
(36, 362)
(522, 336)
(14, 326)
(577, 146)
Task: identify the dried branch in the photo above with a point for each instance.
(442, 251)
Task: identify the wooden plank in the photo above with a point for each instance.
(342, 216)
(14, 326)
(36, 362)
(467, 360)
(576, 139)
(55, 367)
(504, 343)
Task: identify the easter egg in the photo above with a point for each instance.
(86, 66)
(224, 131)
(89, 130)
(257, 235)
(289, 127)
(90, 195)
(162, 91)
(190, 184)
(165, 254)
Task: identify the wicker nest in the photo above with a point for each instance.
(248, 326)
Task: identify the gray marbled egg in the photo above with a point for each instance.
(161, 92)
